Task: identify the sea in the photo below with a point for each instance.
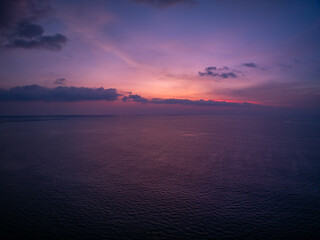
(159, 177)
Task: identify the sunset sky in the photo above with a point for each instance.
(166, 56)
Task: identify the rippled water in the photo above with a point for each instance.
(161, 177)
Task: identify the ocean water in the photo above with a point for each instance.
(159, 177)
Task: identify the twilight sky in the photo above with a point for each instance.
(158, 56)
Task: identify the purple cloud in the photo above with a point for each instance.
(223, 72)
(58, 94)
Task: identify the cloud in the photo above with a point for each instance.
(54, 43)
(26, 29)
(19, 30)
(75, 94)
(165, 3)
(139, 99)
(199, 102)
(252, 65)
(60, 81)
(135, 98)
(223, 72)
(58, 94)
(13, 11)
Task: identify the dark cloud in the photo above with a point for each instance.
(223, 72)
(26, 29)
(72, 94)
(13, 11)
(166, 3)
(134, 98)
(228, 75)
(60, 81)
(58, 94)
(252, 65)
(138, 98)
(19, 30)
(54, 43)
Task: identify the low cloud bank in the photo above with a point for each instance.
(139, 99)
(69, 94)
(58, 94)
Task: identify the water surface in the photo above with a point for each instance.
(159, 177)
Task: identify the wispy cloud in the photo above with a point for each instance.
(60, 81)
(250, 64)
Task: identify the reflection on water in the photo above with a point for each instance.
(164, 177)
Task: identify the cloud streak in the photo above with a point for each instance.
(251, 65)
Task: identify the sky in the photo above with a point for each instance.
(159, 56)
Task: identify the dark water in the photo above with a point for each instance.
(164, 177)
